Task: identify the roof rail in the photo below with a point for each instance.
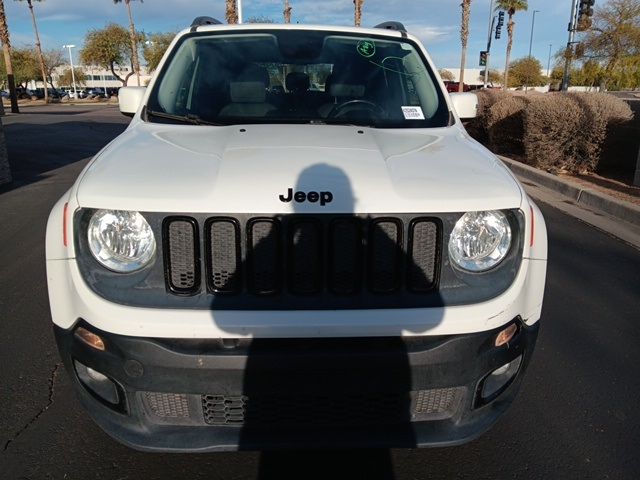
(200, 21)
(397, 26)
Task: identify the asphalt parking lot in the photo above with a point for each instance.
(575, 416)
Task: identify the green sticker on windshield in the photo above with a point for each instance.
(366, 48)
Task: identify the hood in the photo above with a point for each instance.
(277, 169)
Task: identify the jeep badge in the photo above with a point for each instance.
(311, 197)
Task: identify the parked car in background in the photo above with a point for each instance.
(53, 93)
(24, 93)
(97, 92)
(79, 92)
(452, 87)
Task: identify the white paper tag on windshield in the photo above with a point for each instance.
(412, 113)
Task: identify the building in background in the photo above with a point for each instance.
(97, 77)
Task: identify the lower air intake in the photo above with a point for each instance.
(435, 401)
(306, 410)
(167, 405)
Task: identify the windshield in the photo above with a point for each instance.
(295, 76)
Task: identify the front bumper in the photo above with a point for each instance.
(238, 394)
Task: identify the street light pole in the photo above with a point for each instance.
(567, 56)
(533, 22)
(486, 67)
(73, 75)
(239, 8)
(549, 62)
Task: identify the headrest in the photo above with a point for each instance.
(247, 92)
(346, 90)
(328, 82)
(254, 73)
(297, 82)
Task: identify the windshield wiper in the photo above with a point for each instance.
(188, 118)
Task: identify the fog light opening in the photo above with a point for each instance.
(98, 383)
(90, 338)
(506, 335)
(499, 379)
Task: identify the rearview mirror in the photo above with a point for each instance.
(466, 104)
(130, 99)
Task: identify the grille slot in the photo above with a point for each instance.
(345, 251)
(182, 251)
(224, 256)
(305, 274)
(384, 259)
(423, 249)
(264, 256)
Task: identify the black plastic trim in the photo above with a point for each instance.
(392, 25)
(204, 20)
(310, 365)
(120, 407)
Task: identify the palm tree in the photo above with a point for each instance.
(231, 13)
(357, 4)
(134, 38)
(6, 49)
(287, 12)
(43, 70)
(464, 37)
(511, 6)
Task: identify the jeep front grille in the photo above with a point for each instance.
(303, 255)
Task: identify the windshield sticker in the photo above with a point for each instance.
(366, 48)
(412, 113)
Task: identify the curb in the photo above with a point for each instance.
(585, 197)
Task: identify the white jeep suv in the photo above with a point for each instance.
(258, 263)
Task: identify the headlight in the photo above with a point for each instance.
(480, 240)
(120, 240)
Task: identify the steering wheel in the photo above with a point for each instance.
(348, 106)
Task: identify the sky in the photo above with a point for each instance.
(435, 22)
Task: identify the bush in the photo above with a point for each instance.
(505, 127)
(478, 127)
(600, 111)
(551, 133)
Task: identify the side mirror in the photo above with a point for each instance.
(466, 104)
(130, 99)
